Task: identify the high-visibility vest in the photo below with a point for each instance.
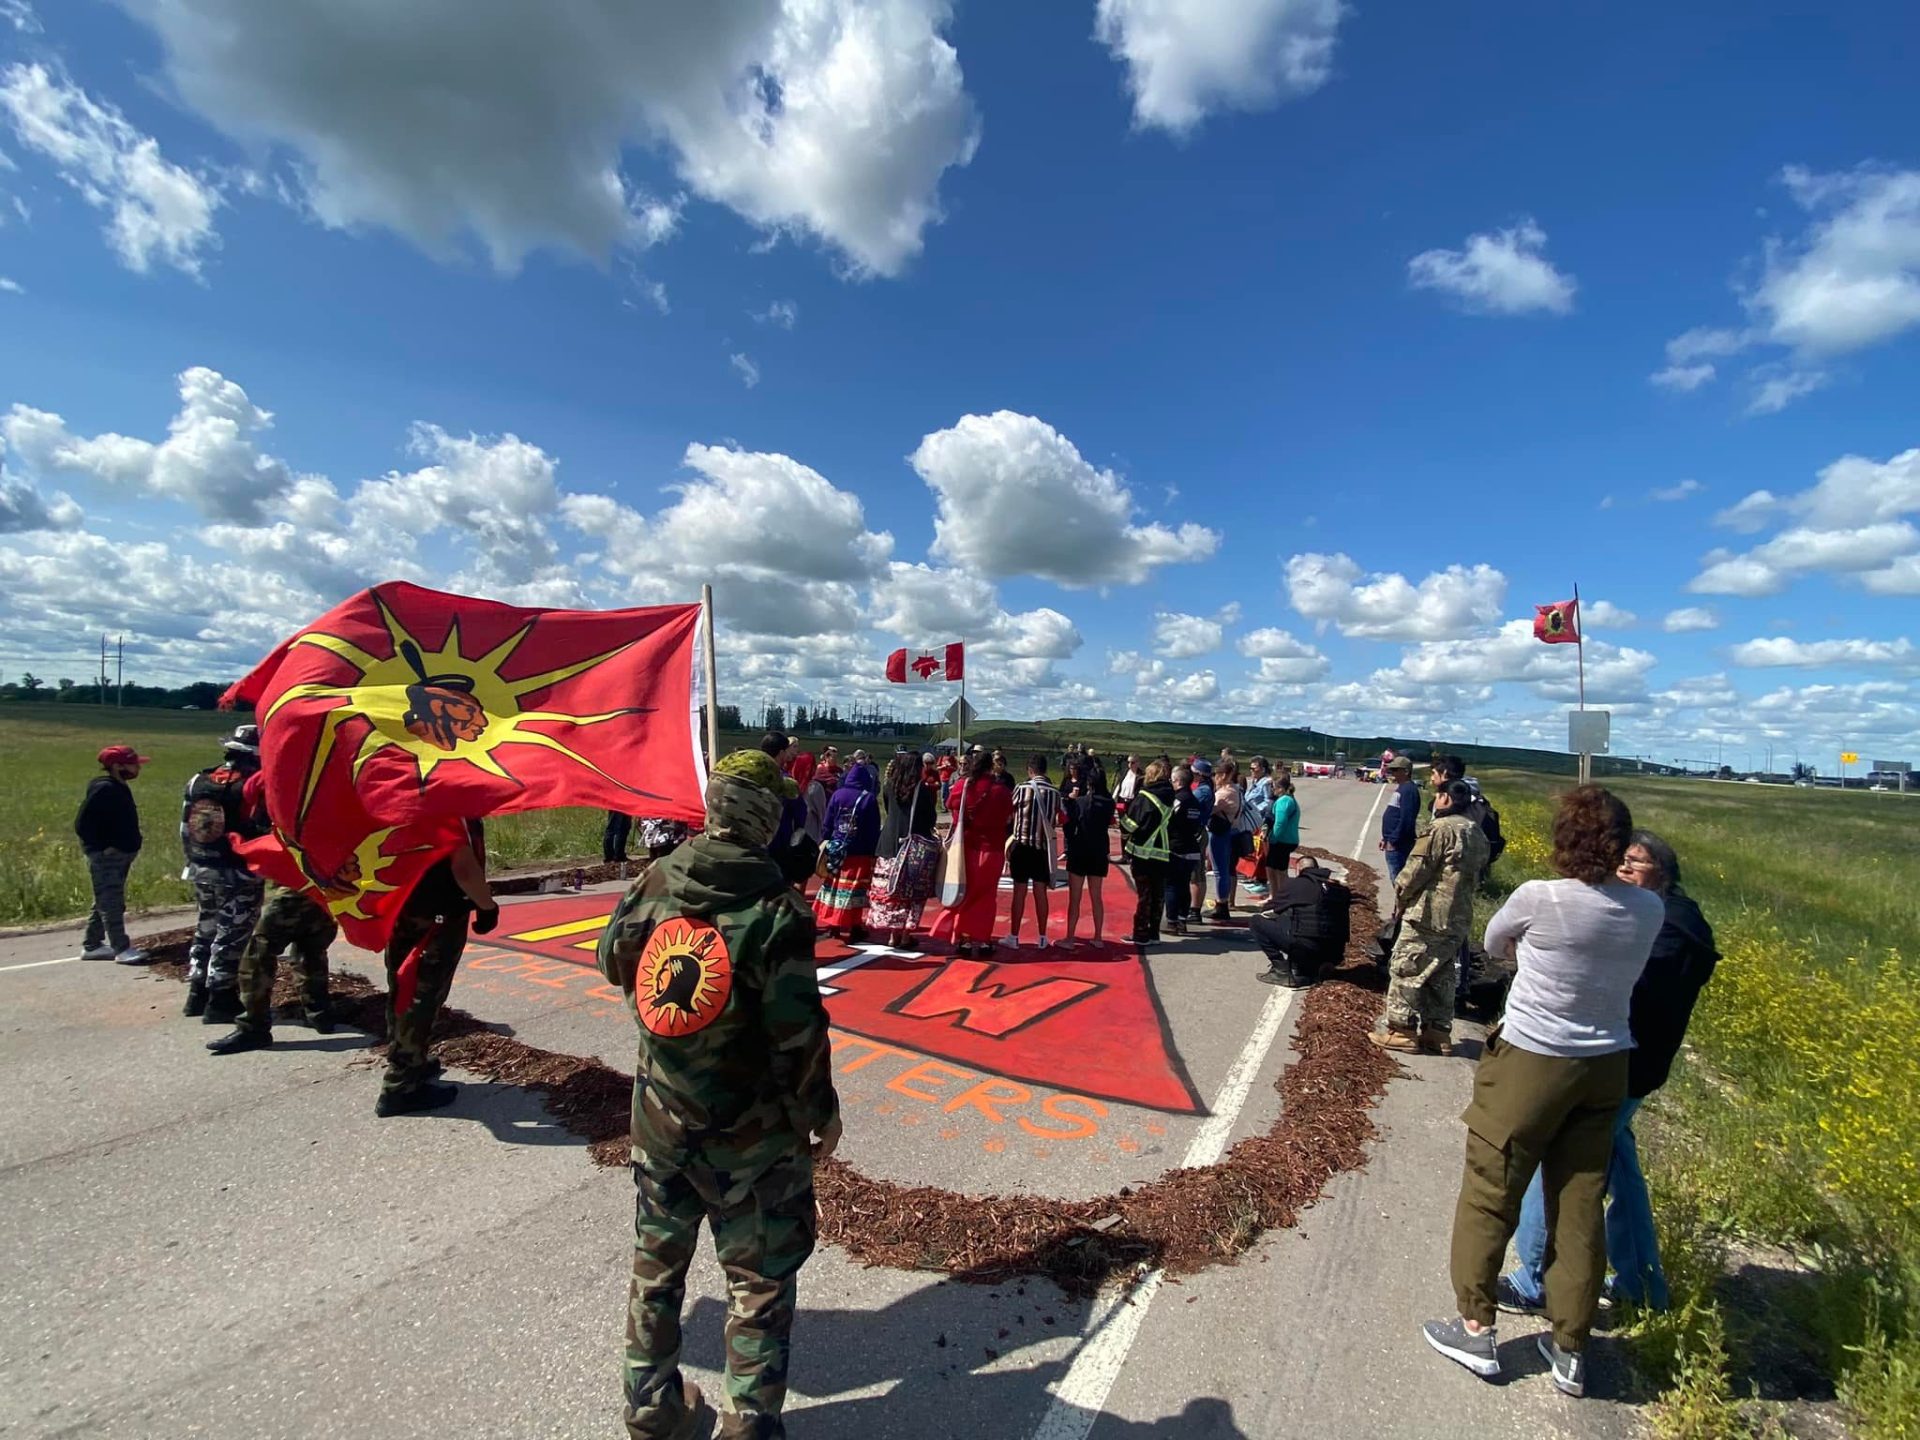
(1155, 846)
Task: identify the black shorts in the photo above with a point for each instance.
(1029, 863)
(1278, 856)
(1089, 867)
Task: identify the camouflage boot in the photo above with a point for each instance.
(223, 1006)
(1436, 1040)
(1394, 1037)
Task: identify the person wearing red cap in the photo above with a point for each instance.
(109, 829)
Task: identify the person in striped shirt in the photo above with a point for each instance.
(1031, 846)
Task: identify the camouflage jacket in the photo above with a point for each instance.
(715, 953)
(1435, 890)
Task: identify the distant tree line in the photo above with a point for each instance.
(200, 695)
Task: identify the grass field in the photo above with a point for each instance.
(1785, 1154)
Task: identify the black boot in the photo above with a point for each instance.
(223, 1006)
(427, 1095)
(241, 1038)
(319, 1017)
(196, 999)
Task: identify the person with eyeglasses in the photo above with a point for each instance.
(1680, 966)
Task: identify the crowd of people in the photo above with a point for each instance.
(243, 923)
(734, 1102)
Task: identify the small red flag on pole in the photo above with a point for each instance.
(1558, 623)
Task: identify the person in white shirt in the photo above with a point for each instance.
(1550, 1083)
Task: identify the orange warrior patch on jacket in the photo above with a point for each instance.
(683, 979)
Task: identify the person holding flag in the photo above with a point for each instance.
(429, 935)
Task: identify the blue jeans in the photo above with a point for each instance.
(1220, 847)
(1633, 1251)
(1179, 887)
(1396, 862)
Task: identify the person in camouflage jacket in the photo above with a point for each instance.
(1434, 896)
(733, 1101)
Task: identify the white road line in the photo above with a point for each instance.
(1081, 1394)
(1366, 826)
(36, 964)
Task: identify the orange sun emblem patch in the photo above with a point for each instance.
(684, 978)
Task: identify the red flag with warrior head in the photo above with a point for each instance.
(1557, 624)
(403, 711)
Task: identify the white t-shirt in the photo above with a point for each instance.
(1580, 950)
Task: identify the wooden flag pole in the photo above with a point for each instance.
(711, 673)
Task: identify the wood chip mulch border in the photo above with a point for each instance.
(1184, 1221)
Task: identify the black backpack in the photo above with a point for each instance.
(1490, 827)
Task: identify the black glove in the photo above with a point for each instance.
(485, 920)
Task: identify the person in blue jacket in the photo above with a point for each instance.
(1400, 821)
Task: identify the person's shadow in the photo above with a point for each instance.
(936, 1355)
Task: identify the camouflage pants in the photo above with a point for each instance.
(1422, 979)
(107, 925)
(761, 1241)
(229, 901)
(289, 919)
(410, 1033)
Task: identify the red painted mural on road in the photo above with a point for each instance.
(1085, 1020)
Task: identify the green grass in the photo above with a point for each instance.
(1791, 1125)
(47, 752)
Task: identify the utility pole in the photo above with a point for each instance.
(120, 675)
(103, 667)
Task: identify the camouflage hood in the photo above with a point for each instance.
(708, 875)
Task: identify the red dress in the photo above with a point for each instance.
(989, 810)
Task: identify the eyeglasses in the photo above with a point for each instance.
(1632, 864)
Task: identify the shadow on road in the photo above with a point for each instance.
(945, 1352)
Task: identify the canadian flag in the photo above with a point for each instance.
(910, 667)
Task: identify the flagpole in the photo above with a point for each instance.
(1580, 652)
(711, 672)
(960, 719)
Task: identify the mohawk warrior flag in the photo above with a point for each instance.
(403, 711)
(908, 667)
(1557, 624)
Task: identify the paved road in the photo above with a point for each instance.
(237, 1248)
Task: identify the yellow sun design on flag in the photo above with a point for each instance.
(441, 705)
(343, 891)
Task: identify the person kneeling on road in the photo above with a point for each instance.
(1304, 928)
(1434, 898)
(289, 918)
(733, 1102)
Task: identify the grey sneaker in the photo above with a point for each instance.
(1477, 1351)
(132, 955)
(1569, 1367)
(1507, 1296)
(97, 952)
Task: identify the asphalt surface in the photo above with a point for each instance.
(236, 1247)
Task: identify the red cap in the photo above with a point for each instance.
(122, 755)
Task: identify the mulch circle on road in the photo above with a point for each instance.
(1182, 1222)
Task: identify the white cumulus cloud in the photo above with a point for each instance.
(486, 119)
(1187, 59)
(1450, 603)
(1689, 620)
(1779, 650)
(1504, 272)
(1014, 497)
(158, 213)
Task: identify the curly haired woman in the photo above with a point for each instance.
(1550, 1083)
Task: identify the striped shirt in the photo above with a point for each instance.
(1037, 808)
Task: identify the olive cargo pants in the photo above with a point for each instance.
(1556, 1114)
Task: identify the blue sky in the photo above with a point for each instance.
(1264, 360)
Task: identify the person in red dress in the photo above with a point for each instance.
(983, 807)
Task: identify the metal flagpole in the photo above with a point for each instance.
(960, 720)
(711, 673)
(1580, 652)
